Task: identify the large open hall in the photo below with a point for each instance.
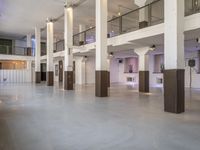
(100, 75)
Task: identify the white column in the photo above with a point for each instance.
(81, 29)
(29, 69)
(143, 58)
(101, 89)
(68, 36)
(101, 34)
(174, 74)
(83, 72)
(108, 69)
(174, 34)
(143, 69)
(37, 49)
(80, 70)
(28, 41)
(50, 46)
(143, 13)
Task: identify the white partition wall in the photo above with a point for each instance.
(15, 76)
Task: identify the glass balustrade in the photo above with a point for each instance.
(122, 24)
(125, 23)
(22, 51)
(192, 7)
(130, 21)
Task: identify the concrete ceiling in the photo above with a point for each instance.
(19, 17)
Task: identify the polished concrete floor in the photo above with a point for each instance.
(36, 117)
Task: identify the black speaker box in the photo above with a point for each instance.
(191, 63)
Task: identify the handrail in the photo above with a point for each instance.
(119, 16)
(117, 26)
(88, 36)
(15, 50)
(91, 28)
(134, 10)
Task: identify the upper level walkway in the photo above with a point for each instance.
(125, 30)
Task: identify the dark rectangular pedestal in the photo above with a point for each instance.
(108, 79)
(50, 78)
(144, 81)
(143, 24)
(29, 51)
(37, 77)
(68, 80)
(174, 90)
(101, 84)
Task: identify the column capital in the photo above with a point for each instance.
(143, 58)
(142, 50)
(140, 3)
(49, 20)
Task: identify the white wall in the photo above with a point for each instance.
(154, 76)
(80, 70)
(18, 75)
(195, 75)
(123, 76)
(15, 76)
(56, 77)
(117, 74)
(114, 71)
(90, 70)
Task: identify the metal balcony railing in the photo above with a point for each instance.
(125, 23)
(192, 7)
(22, 51)
(122, 24)
(130, 21)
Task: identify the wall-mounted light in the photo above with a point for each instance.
(85, 58)
(111, 54)
(152, 48)
(49, 20)
(198, 40)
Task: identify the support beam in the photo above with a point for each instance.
(101, 88)
(68, 36)
(174, 92)
(143, 69)
(37, 55)
(50, 67)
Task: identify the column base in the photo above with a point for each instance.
(50, 78)
(174, 91)
(37, 77)
(68, 80)
(144, 81)
(143, 24)
(101, 84)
